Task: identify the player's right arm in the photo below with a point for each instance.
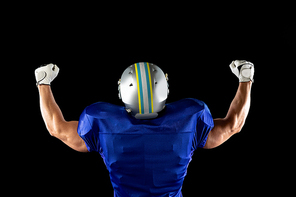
(52, 115)
(224, 128)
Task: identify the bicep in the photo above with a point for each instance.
(219, 134)
(68, 134)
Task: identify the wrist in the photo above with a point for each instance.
(246, 85)
(246, 82)
(43, 86)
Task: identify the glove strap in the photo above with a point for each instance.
(39, 82)
(239, 70)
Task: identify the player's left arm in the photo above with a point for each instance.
(226, 127)
(52, 115)
(238, 111)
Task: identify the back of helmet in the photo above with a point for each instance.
(143, 89)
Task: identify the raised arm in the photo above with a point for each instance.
(224, 128)
(55, 123)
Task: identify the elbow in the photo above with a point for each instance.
(237, 129)
(57, 130)
(235, 125)
(50, 129)
(53, 131)
(224, 128)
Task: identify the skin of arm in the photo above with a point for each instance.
(55, 123)
(224, 128)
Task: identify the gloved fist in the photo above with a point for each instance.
(46, 74)
(243, 70)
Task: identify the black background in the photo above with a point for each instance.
(92, 47)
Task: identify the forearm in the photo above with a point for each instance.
(50, 111)
(239, 107)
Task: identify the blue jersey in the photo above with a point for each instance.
(146, 157)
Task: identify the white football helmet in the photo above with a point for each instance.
(143, 88)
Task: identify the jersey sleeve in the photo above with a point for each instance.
(88, 131)
(204, 125)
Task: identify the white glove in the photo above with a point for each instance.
(46, 74)
(243, 70)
